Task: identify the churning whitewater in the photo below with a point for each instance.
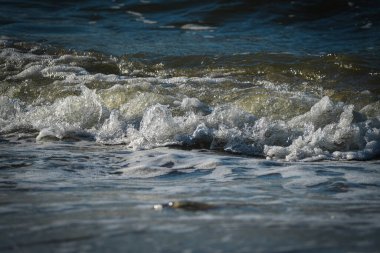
(144, 110)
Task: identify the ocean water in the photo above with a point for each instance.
(189, 126)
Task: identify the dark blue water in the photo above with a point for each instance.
(230, 27)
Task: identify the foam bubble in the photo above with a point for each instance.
(196, 27)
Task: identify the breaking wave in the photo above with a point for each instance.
(109, 100)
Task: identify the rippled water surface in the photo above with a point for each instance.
(74, 196)
(189, 126)
(197, 27)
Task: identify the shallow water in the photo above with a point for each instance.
(72, 196)
(189, 126)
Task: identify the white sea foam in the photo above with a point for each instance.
(327, 131)
(12, 55)
(140, 17)
(148, 112)
(196, 27)
(158, 162)
(32, 71)
(9, 108)
(63, 71)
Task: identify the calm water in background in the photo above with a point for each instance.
(108, 108)
(222, 27)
